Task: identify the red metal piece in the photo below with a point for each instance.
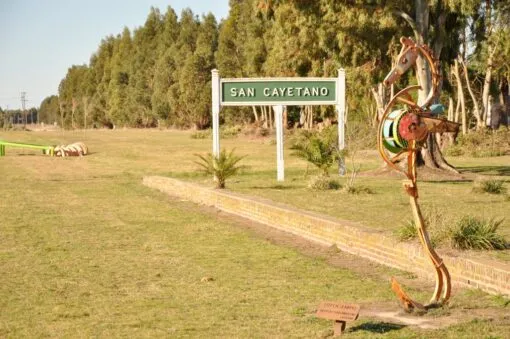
(411, 127)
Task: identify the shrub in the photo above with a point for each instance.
(322, 182)
(490, 186)
(221, 167)
(262, 132)
(225, 133)
(483, 143)
(473, 233)
(201, 134)
(406, 232)
(230, 132)
(318, 148)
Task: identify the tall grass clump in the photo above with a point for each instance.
(478, 234)
(323, 183)
(437, 223)
(203, 134)
(491, 186)
(466, 233)
(230, 131)
(222, 167)
(406, 232)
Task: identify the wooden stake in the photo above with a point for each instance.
(339, 327)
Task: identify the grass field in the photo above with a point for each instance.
(87, 251)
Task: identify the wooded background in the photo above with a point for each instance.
(159, 75)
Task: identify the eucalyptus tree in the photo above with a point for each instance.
(71, 90)
(490, 27)
(165, 67)
(3, 118)
(144, 56)
(195, 81)
(118, 89)
(179, 54)
(241, 50)
(100, 66)
(49, 110)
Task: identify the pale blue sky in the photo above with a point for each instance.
(41, 39)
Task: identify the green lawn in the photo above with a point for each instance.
(87, 251)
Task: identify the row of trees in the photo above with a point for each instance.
(8, 118)
(160, 73)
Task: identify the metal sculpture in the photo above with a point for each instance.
(402, 133)
(74, 149)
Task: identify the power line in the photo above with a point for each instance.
(23, 102)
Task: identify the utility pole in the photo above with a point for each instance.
(23, 102)
(6, 117)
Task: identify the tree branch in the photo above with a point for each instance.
(410, 21)
(441, 33)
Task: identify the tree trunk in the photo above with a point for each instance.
(487, 82)
(61, 105)
(431, 155)
(461, 100)
(306, 117)
(504, 99)
(447, 139)
(380, 102)
(270, 116)
(255, 113)
(264, 117)
(85, 111)
(73, 110)
(488, 115)
(423, 73)
(487, 85)
(310, 117)
(476, 109)
(450, 109)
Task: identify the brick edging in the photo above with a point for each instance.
(488, 275)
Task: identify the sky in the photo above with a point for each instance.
(41, 39)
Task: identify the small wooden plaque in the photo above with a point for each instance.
(338, 311)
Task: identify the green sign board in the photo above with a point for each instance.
(279, 91)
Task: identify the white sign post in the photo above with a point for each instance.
(340, 109)
(278, 111)
(278, 92)
(216, 111)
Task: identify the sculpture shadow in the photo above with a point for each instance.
(377, 327)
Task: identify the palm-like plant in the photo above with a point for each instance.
(221, 167)
(320, 149)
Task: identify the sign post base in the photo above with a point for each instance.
(339, 327)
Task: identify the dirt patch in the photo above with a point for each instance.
(42, 128)
(424, 174)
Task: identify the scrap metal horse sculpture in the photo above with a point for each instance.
(403, 132)
(74, 149)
